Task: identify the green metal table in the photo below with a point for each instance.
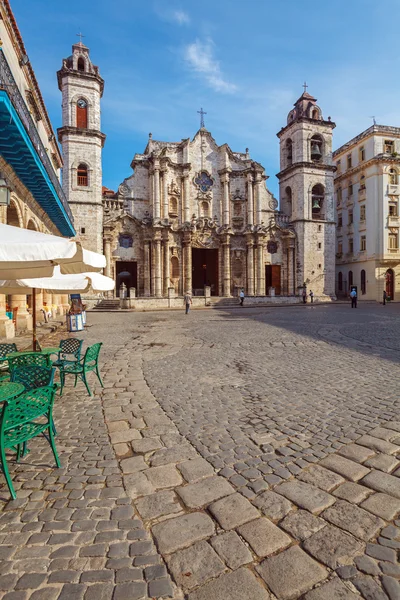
(10, 390)
(45, 351)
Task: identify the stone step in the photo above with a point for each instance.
(107, 304)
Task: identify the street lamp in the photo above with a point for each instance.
(4, 192)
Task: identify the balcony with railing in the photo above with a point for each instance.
(22, 147)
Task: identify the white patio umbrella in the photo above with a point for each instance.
(27, 254)
(74, 283)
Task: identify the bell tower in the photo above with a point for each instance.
(82, 142)
(306, 193)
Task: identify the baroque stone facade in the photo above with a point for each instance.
(196, 216)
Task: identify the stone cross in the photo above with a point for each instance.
(201, 113)
(80, 35)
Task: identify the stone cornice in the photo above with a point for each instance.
(378, 159)
(302, 165)
(330, 124)
(69, 130)
(66, 72)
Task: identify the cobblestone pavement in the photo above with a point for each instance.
(251, 454)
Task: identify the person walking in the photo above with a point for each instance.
(304, 295)
(353, 296)
(241, 296)
(384, 297)
(311, 296)
(187, 300)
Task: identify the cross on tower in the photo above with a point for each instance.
(80, 35)
(201, 113)
(305, 86)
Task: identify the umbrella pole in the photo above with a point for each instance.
(34, 318)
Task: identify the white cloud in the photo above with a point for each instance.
(180, 17)
(199, 56)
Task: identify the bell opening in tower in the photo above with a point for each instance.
(204, 270)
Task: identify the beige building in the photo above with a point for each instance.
(367, 190)
(195, 215)
(30, 164)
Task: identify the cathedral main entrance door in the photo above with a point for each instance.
(273, 278)
(204, 270)
(126, 272)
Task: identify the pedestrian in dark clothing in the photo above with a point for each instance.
(187, 301)
(384, 297)
(241, 296)
(304, 295)
(311, 296)
(353, 296)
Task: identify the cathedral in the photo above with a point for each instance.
(195, 216)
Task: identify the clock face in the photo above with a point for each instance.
(82, 103)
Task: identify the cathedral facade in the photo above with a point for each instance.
(195, 216)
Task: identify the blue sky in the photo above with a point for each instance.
(243, 62)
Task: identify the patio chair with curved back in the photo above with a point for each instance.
(90, 362)
(4, 366)
(70, 352)
(21, 420)
(27, 359)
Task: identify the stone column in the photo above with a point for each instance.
(7, 329)
(39, 306)
(157, 267)
(227, 267)
(165, 195)
(156, 188)
(166, 266)
(225, 201)
(24, 319)
(260, 283)
(64, 302)
(152, 269)
(107, 253)
(258, 217)
(146, 268)
(187, 259)
(250, 200)
(250, 268)
(186, 198)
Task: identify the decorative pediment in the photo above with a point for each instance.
(237, 197)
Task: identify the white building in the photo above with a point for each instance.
(367, 213)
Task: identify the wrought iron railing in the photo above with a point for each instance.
(7, 83)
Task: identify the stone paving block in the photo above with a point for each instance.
(357, 521)
(301, 524)
(181, 532)
(378, 445)
(382, 505)
(381, 553)
(196, 495)
(305, 495)
(161, 588)
(99, 591)
(133, 464)
(382, 462)
(333, 547)
(30, 581)
(367, 565)
(384, 434)
(155, 572)
(137, 485)
(274, 506)
(130, 591)
(124, 435)
(394, 425)
(241, 583)
(352, 492)
(159, 504)
(176, 454)
(392, 587)
(196, 469)
(345, 467)
(369, 588)
(164, 476)
(321, 478)
(195, 566)
(291, 573)
(233, 510)
(333, 590)
(383, 482)
(390, 569)
(264, 537)
(231, 549)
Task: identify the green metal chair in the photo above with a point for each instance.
(24, 418)
(33, 376)
(4, 367)
(90, 362)
(70, 352)
(27, 359)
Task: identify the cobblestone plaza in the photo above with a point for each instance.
(236, 454)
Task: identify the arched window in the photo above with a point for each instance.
(81, 64)
(389, 283)
(12, 215)
(174, 267)
(287, 206)
(317, 201)
(315, 113)
(363, 282)
(205, 209)
(350, 279)
(393, 177)
(32, 225)
(81, 114)
(316, 148)
(289, 152)
(82, 175)
(173, 207)
(340, 281)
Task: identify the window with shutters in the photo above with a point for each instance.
(81, 114)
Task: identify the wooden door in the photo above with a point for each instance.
(276, 278)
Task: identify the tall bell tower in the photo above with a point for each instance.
(307, 195)
(82, 142)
